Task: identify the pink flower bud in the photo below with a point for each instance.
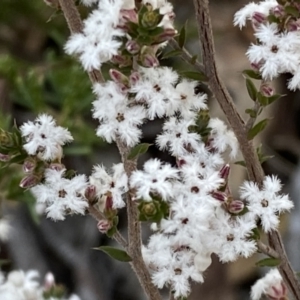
(109, 203)
(103, 226)
(277, 11)
(49, 281)
(149, 61)
(121, 60)
(29, 181)
(29, 165)
(224, 172)
(90, 193)
(132, 47)
(4, 157)
(258, 19)
(134, 78)
(128, 15)
(293, 25)
(277, 292)
(236, 206)
(119, 78)
(266, 90)
(219, 196)
(165, 36)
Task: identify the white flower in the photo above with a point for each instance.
(114, 186)
(248, 11)
(222, 137)
(177, 139)
(98, 42)
(61, 195)
(89, 2)
(44, 138)
(157, 179)
(117, 118)
(270, 285)
(266, 203)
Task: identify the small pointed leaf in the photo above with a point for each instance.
(194, 75)
(252, 91)
(268, 262)
(182, 35)
(138, 150)
(115, 253)
(260, 126)
(172, 53)
(252, 74)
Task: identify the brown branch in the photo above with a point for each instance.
(253, 166)
(267, 249)
(134, 230)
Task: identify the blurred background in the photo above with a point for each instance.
(36, 76)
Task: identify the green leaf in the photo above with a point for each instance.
(256, 234)
(251, 112)
(268, 262)
(260, 126)
(172, 53)
(263, 100)
(252, 74)
(252, 91)
(182, 36)
(194, 75)
(138, 150)
(115, 253)
(291, 10)
(274, 98)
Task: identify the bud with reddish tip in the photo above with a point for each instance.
(278, 11)
(132, 47)
(148, 58)
(219, 196)
(121, 60)
(29, 181)
(4, 157)
(56, 166)
(90, 193)
(277, 292)
(119, 78)
(128, 15)
(166, 35)
(235, 206)
(134, 78)
(293, 25)
(266, 90)
(258, 19)
(224, 172)
(108, 203)
(104, 225)
(29, 165)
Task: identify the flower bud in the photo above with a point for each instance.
(278, 11)
(49, 281)
(104, 225)
(119, 78)
(4, 157)
(224, 172)
(29, 181)
(132, 47)
(121, 60)
(134, 78)
(219, 196)
(108, 203)
(148, 58)
(29, 165)
(277, 292)
(166, 35)
(235, 206)
(266, 90)
(293, 25)
(180, 162)
(258, 19)
(90, 194)
(128, 15)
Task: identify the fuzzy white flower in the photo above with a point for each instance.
(44, 138)
(117, 118)
(177, 138)
(157, 179)
(270, 285)
(99, 40)
(61, 195)
(266, 203)
(247, 12)
(113, 186)
(89, 2)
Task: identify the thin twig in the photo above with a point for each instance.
(134, 230)
(253, 166)
(267, 249)
(97, 215)
(186, 56)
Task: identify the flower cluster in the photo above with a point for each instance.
(25, 286)
(277, 33)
